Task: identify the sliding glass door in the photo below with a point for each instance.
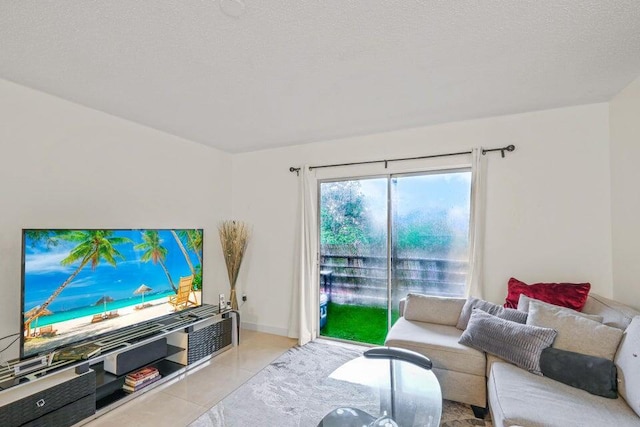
(430, 235)
(383, 237)
(353, 259)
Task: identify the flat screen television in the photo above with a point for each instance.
(81, 283)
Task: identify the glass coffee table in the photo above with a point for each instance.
(387, 387)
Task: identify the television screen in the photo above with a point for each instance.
(77, 284)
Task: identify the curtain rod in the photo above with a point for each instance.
(386, 162)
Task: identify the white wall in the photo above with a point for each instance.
(64, 165)
(548, 203)
(625, 196)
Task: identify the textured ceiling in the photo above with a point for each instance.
(246, 75)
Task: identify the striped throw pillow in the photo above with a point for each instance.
(514, 342)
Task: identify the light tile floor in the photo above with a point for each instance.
(183, 400)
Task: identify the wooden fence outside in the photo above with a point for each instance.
(362, 279)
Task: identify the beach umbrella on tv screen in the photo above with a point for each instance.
(28, 314)
(143, 289)
(45, 312)
(104, 300)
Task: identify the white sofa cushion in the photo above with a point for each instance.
(628, 363)
(517, 397)
(431, 309)
(439, 343)
(575, 333)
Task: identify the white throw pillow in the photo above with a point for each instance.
(575, 333)
(524, 301)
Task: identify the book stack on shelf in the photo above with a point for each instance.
(140, 379)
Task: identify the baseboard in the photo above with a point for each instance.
(264, 328)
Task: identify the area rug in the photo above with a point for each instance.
(291, 392)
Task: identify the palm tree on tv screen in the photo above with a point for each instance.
(194, 241)
(184, 252)
(195, 244)
(93, 246)
(49, 237)
(155, 252)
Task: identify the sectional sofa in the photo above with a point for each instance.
(515, 396)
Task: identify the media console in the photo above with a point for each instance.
(74, 392)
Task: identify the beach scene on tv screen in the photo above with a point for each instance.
(81, 283)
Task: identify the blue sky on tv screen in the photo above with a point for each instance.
(44, 273)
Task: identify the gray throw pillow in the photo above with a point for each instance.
(488, 307)
(515, 343)
(596, 375)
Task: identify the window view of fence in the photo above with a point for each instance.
(362, 279)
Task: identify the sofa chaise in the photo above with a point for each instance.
(513, 395)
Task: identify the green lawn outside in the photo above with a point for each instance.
(357, 323)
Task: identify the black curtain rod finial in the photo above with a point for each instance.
(509, 148)
(296, 170)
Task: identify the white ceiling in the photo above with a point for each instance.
(297, 71)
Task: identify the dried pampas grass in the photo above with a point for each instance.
(234, 236)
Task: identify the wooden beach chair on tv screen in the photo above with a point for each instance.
(47, 331)
(182, 299)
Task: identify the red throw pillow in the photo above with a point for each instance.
(570, 295)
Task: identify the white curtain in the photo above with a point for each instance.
(305, 304)
(476, 228)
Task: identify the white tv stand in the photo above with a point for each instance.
(75, 392)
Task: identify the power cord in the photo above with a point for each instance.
(12, 342)
(2, 361)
